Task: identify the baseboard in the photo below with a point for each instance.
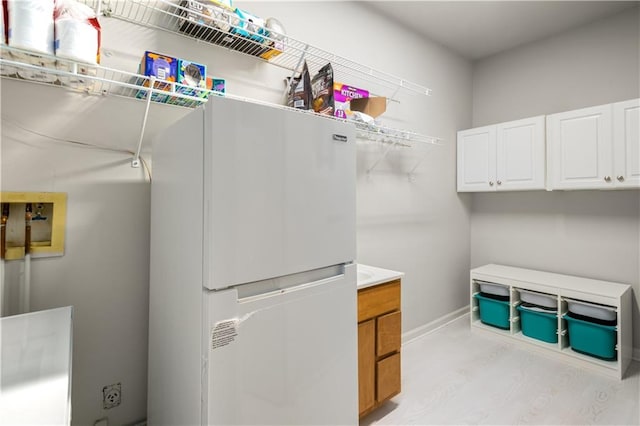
(434, 325)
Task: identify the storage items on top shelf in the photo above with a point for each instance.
(32, 24)
(286, 51)
(218, 22)
(75, 65)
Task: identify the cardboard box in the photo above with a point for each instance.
(213, 84)
(343, 95)
(164, 68)
(217, 85)
(191, 75)
(373, 106)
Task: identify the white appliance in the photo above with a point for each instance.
(253, 282)
(35, 368)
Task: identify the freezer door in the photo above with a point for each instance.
(285, 358)
(279, 192)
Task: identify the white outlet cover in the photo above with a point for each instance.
(111, 396)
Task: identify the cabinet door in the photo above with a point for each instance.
(366, 365)
(626, 142)
(520, 155)
(477, 159)
(579, 146)
(388, 377)
(389, 333)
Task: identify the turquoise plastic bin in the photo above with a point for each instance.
(539, 325)
(592, 339)
(493, 312)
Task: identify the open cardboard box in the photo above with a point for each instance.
(373, 106)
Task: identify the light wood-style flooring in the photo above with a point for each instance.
(454, 376)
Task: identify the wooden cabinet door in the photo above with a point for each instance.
(626, 141)
(520, 155)
(389, 374)
(477, 159)
(366, 365)
(580, 149)
(389, 333)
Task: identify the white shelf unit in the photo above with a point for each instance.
(29, 67)
(562, 287)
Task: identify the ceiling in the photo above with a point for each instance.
(477, 29)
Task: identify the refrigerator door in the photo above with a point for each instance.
(283, 358)
(279, 192)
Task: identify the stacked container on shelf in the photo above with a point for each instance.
(538, 315)
(493, 303)
(592, 329)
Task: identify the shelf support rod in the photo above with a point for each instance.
(422, 158)
(295, 70)
(135, 162)
(384, 154)
(393, 97)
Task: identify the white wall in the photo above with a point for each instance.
(591, 65)
(586, 233)
(418, 225)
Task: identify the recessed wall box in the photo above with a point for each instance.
(49, 212)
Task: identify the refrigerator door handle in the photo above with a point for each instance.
(274, 287)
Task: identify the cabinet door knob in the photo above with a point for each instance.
(607, 178)
(490, 183)
(620, 178)
(499, 182)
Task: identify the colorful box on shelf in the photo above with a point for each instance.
(164, 68)
(216, 85)
(191, 76)
(342, 96)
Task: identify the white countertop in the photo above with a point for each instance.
(370, 275)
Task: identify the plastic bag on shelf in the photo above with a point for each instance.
(77, 32)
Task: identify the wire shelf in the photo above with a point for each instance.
(18, 64)
(224, 28)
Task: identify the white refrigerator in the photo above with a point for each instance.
(253, 282)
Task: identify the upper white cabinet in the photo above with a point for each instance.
(502, 157)
(626, 143)
(595, 148)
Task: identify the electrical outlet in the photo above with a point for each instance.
(111, 396)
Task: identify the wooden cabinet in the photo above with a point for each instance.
(502, 157)
(379, 340)
(595, 148)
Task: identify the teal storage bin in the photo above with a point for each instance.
(493, 312)
(539, 325)
(592, 339)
